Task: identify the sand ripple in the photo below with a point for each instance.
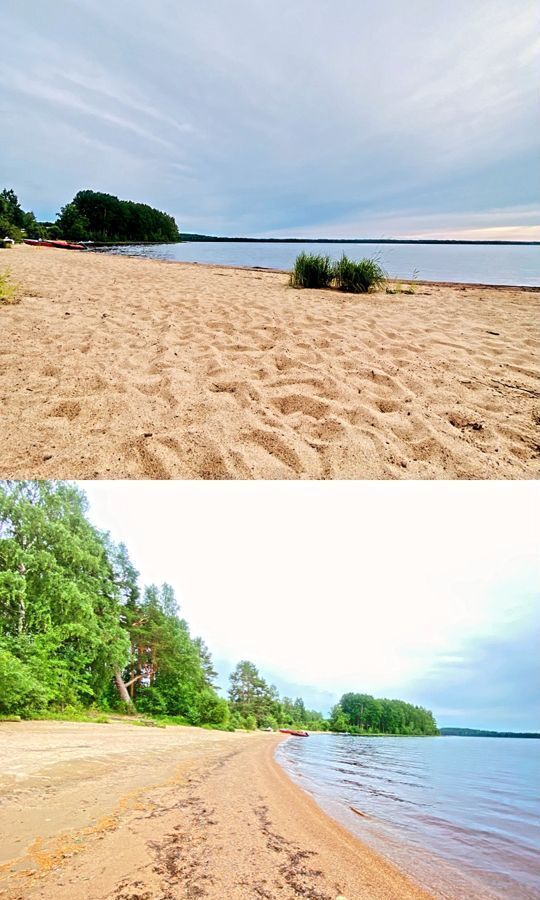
(113, 367)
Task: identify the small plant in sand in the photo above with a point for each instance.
(311, 270)
(358, 277)
(408, 288)
(8, 290)
(399, 288)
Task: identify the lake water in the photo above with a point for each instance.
(460, 815)
(427, 262)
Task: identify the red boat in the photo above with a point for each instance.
(64, 245)
(295, 733)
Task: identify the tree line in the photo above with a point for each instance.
(364, 714)
(90, 216)
(481, 732)
(78, 631)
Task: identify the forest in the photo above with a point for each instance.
(90, 216)
(79, 633)
(364, 714)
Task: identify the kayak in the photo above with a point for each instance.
(295, 733)
(64, 245)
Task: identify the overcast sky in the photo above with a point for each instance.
(341, 118)
(426, 591)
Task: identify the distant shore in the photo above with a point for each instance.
(143, 812)
(186, 236)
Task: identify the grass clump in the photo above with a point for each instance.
(8, 290)
(311, 270)
(358, 277)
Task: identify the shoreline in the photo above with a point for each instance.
(184, 812)
(116, 369)
(433, 872)
(271, 270)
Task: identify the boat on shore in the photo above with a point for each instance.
(63, 245)
(294, 733)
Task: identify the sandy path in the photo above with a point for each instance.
(114, 812)
(117, 367)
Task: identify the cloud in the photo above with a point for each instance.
(257, 118)
(491, 682)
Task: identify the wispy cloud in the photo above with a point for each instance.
(492, 683)
(259, 117)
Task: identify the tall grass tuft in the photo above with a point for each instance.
(312, 270)
(358, 277)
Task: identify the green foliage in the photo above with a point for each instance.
(8, 229)
(170, 672)
(72, 225)
(91, 216)
(251, 696)
(338, 719)
(14, 221)
(72, 616)
(364, 714)
(20, 690)
(151, 701)
(236, 721)
(59, 605)
(11, 216)
(94, 216)
(69, 714)
(312, 270)
(358, 277)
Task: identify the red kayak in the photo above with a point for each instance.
(64, 245)
(295, 733)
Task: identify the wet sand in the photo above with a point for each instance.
(114, 367)
(117, 812)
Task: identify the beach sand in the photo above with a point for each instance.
(116, 812)
(115, 367)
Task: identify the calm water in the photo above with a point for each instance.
(461, 815)
(428, 262)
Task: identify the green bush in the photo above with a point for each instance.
(358, 277)
(20, 690)
(212, 710)
(269, 722)
(311, 270)
(236, 721)
(8, 229)
(150, 701)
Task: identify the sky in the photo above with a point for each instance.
(424, 591)
(335, 118)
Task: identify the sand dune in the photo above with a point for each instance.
(114, 367)
(113, 812)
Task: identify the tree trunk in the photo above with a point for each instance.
(122, 690)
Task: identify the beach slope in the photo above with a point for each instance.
(115, 812)
(115, 367)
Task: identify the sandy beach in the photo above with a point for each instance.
(116, 812)
(114, 367)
